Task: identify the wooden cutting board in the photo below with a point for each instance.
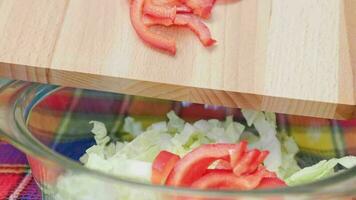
(296, 57)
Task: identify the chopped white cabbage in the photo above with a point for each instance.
(323, 169)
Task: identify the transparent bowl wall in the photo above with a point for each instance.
(50, 124)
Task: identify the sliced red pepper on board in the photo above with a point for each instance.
(165, 10)
(162, 166)
(195, 164)
(197, 26)
(271, 183)
(194, 23)
(159, 11)
(155, 40)
(181, 8)
(180, 12)
(201, 8)
(166, 2)
(152, 21)
(184, 9)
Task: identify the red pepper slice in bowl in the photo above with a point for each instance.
(162, 166)
(237, 168)
(243, 165)
(223, 164)
(270, 183)
(236, 155)
(193, 165)
(223, 179)
(257, 162)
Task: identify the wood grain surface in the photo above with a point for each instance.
(296, 57)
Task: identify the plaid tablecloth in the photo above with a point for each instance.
(16, 181)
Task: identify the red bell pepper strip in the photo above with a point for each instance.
(257, 162)
(183, 9)
(236, 155)
(197, 26)
(219, 179)
(222, 180)
(270, 183)
(267, 173)
(195, 164)
(152, 21)
(159, 11)
(162, 166)
(223, 164)
(201, 8)
(168, 10)
(245, 162)
(192, 170)
(155, 40)
(166, 2)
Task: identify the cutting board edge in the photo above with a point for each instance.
(178, 93)
(350, 16)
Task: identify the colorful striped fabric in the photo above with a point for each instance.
(70, 110)
(16, 181)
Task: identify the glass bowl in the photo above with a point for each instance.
(50, 124)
